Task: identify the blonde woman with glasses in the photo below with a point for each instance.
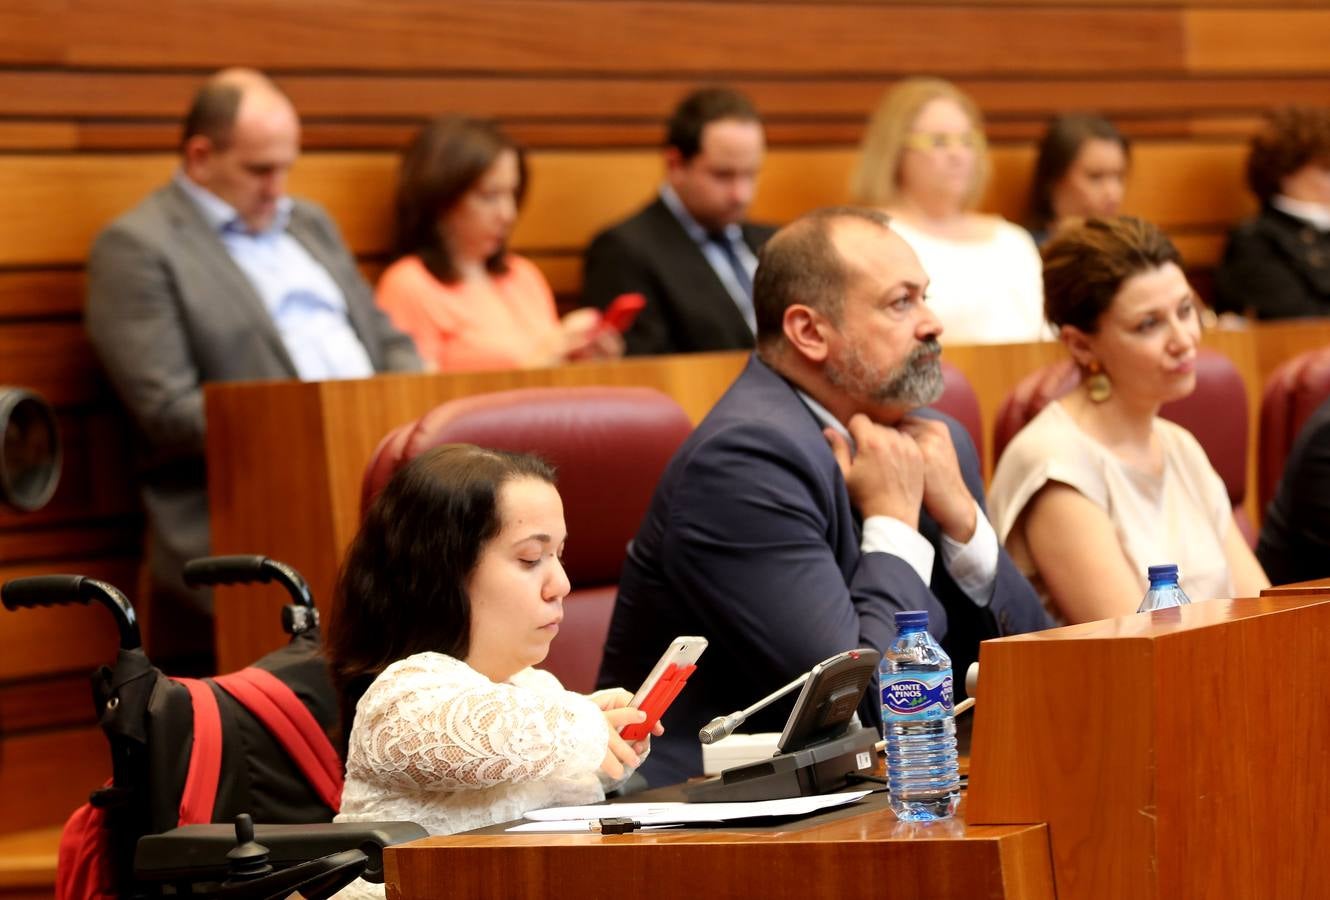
(924, 160)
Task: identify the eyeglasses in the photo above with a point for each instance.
(925, 141)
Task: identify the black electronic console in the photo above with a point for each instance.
(817, 751)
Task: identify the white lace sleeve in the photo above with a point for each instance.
(430, 722)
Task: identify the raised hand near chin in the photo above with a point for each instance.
(885, 474)
(946, 497)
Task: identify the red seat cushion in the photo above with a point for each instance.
(1292, 392)
(1216, 413)
(609, 445)
(959, 401)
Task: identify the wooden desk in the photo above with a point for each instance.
(843, 853)
(1317, 587)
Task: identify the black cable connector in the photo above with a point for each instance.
(620, 825)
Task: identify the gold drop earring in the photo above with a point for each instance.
(1097, 385)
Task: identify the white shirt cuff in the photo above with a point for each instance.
(973, 564)
(884, 534)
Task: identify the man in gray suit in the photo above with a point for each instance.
(219, 276)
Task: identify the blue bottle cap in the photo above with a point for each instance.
(1165, 571)
(911, 618)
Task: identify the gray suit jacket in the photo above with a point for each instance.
(169, 310)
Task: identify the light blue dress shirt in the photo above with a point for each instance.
(715, 256)
(304, 301)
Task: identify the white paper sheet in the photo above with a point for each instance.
(579, 818)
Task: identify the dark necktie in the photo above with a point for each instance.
(741, 276)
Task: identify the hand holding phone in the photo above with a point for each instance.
(664, 683)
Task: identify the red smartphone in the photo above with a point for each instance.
(622, 311)
(663, 684)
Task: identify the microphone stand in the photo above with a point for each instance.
(808, 764)
(723, 726)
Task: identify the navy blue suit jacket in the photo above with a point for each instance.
(751, 542)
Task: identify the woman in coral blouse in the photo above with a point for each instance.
(468, 302)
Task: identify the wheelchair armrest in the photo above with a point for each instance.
(198, 852)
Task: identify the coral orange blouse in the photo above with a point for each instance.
(510, 323)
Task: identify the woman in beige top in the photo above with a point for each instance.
(1097, 487)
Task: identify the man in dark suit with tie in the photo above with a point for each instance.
(219, 276)
(689, 251)
(817, 498)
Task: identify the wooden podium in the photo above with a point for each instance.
(285, 460)
(1179, 754)
(857, 852)
(1175, 755)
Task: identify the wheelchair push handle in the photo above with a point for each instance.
(63, 590)
(248, 569)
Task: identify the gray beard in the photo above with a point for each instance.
(915, 382)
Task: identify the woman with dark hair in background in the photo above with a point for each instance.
(467, 302)
(1277, 265)
(924, 160)
(1080, 171)
(1099, 465)
(451, 591)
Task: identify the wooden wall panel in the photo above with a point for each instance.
(624, 37)
(133, 109)
(1257, 40)
(41, 293)
(91, 92)
(47, 215)
(61, 639)
(44, 777)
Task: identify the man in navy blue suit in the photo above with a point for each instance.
(817, 498)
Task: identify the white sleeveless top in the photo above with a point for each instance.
(984, 292)
(1180, 517)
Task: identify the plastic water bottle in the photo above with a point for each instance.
(920, 725)
(1164, 591)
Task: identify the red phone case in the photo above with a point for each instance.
(623, 311)
(658, 699)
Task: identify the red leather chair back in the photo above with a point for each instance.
(1031, 394)
(1216, 413)
(1292, 392)
(610, 446)
(959, 401)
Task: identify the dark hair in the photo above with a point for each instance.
(212, 113)
(442, 162)
(1086, 263)
(1289, 139)
(1058, 148)
(402, 587)
(800, 264)
(699, 109)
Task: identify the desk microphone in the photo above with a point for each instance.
(722, 726)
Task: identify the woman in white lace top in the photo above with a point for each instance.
(451, 592)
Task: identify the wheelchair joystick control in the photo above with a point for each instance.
(248, 859)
